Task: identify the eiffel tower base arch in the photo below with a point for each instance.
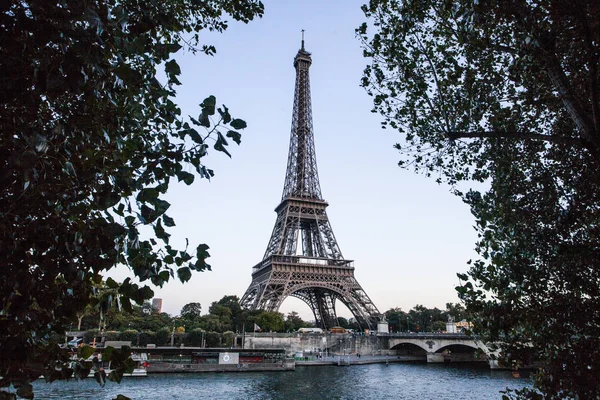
(318, 285)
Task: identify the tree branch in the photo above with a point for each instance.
(571, 103)
(515, 135)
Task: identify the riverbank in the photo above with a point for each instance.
(353, 359)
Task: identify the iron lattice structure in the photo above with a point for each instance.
(303, 258)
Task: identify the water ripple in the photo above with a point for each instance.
(376, 381)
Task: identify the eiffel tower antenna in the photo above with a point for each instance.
(303, 258)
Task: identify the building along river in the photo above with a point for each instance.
(374, 381)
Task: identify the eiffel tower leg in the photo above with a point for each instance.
(322, 304)
(327, 302)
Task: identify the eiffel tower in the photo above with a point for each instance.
(303, 259)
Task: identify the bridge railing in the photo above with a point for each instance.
(422, 335)
(415, 335)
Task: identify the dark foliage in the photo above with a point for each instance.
(507, 93)
(91, 140)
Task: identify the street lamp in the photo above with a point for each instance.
(407, 328)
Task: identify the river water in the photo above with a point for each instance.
(374, 381)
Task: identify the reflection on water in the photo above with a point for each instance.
(375, 381)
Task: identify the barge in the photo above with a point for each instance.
(196, 360)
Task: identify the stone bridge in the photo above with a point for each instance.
(449, 347)
(429, 347)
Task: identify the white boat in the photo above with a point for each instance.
(137, 371)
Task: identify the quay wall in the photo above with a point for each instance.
(437, 348)
(314, 343)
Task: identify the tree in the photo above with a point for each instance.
(91, 140)
(215, 323)
(396, 319)
(456, 311)
(195, 338)
(191, 311)
(163, 335)
(232, 303)
(507, 94)
(293, 322)
(343, 322)
(213, 339)
(270, 321)
(221, 315)
(420, 316)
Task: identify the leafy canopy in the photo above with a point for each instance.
(191, 311)
(91, 140)
(507, 93)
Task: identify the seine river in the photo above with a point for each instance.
(374, 381)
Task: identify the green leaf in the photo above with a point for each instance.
(172, 68)
(111, 283)
(161, 206)
(204, 119)
(221, 143)
(107, 354)
(184, 274)
(238, 124)
(172, 47)
(146, 293)
(225, 115)
(109, 200)
(100, 377)
(115, 375)
(185, 177)
(160, 232)
(127, 74)
(85, 352)
(208, 105)
(25, 391)
(126, 304)
(164, 276)
(235, 136)
(148, 214)
(202, 251)
(168, 220)
(195, 135)
(147, 195)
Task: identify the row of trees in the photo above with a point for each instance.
(226, 315)
(423, 319)
(223, 315)
(165, 337)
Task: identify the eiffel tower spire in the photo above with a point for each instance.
(303, 258)
(302, 178)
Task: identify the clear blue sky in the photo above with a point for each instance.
(408, 235)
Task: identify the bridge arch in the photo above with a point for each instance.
(458, 348)
(409, 348)
(461, 352)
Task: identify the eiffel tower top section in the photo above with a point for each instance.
(302, 178)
